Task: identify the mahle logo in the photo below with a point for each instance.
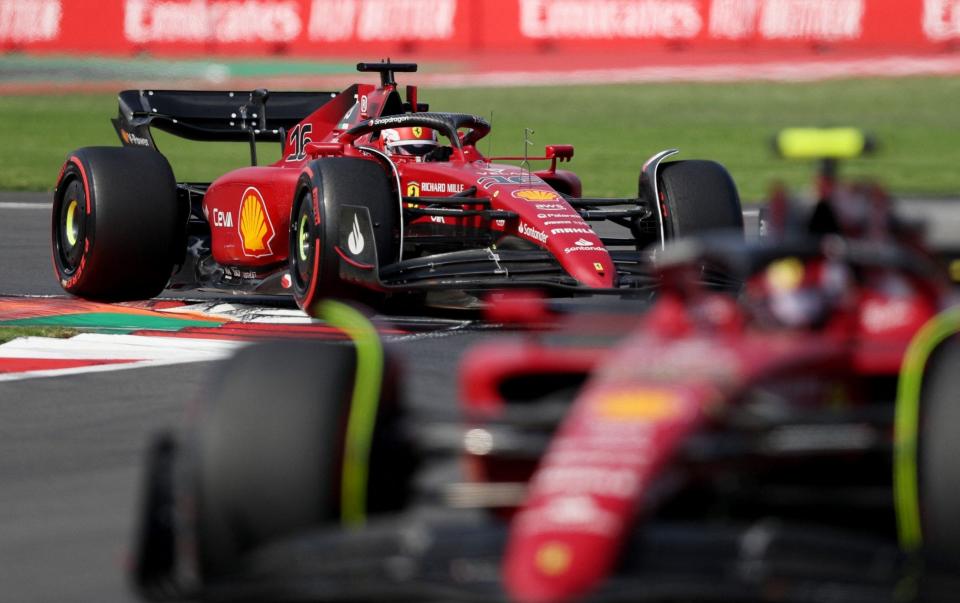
(256, 230)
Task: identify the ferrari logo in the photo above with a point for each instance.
(535, 195)
(256, 230)
(413, 189)
(418, 132)
(598, 267)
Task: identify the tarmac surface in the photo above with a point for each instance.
(71, 448)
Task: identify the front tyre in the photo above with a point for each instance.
(939, 449)
(325, 187)
(269, 448)
(115, 223)
(698, 196)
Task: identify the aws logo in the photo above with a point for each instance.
(256, 230)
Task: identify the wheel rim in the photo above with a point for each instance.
(304, 245)
(72, 226)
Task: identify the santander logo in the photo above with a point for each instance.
(533, 233)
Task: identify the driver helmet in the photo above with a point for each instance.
(414, 141)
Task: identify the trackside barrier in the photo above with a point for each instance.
(436, 28)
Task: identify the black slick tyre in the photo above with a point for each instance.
(325, 187)
(115, 223)
(939, 451)
(267, 450)
(698, 196)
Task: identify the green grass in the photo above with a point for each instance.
(614, 129)
(9, 333)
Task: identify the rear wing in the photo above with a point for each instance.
(213, 115)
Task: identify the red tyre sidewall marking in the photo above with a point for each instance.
(83, 176)
(314, 276)
(351, 261)
(86, 240)
(308, 298)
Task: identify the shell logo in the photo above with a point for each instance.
(256, 230)
(641, 404)
(785, 275)
(553, 558)
(535, 195)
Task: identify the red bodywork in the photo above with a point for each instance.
(249, 208)
(679, 369)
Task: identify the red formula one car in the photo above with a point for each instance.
(372, 195)
(761, 448)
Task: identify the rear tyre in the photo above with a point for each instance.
(939, 449)
(115, 223)
(269, 449)
(696, 197)
(325, 187)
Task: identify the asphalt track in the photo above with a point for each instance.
(71, 447)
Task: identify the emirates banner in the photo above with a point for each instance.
(436, 28)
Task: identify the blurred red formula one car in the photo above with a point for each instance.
(711, 449)
(372, 195)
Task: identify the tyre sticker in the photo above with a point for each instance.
(363, 406)
(906, 425)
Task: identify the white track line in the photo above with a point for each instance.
(146, 351)
(19, 205)
(781, 71)
(117, 347)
